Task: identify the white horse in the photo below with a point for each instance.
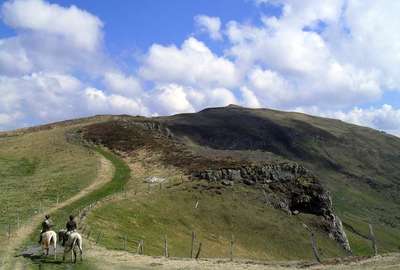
(73, 241)
(49, 238)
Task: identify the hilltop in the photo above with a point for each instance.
(251, 176)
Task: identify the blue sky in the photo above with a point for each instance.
(67, 59)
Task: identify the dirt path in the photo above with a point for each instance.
(105, 173)
(102, 258)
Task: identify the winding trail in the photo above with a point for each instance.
(104, 175)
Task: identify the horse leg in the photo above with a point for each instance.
(55, 250)
(74, 256)
(65, 253)
(80, 249)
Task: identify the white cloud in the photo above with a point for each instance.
(385, 118)
(249, 99)
(50, 38)
(209, 25)
(72, 24)
(97, 101)
(120, 83)
(323, 57)
(13, 58)
(170, 99)
(39, 97)
(9, 119)
(298, 49)
(193, 64)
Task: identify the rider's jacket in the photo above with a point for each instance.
(46, 225)
(71, 225)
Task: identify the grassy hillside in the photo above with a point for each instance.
(149, 212)
(357, 165)
(36, 169)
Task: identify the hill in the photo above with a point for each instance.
(236, 177)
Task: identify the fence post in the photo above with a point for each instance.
(198, 251)
(98, 238)
(18, 221)
(192, 248)
(125, 238)
(373, 239)
(9, 231)
(231, 246)
(139, 247)
(313, 243)
(166, 246)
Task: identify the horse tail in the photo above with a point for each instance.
(52, 240)
(74, 243)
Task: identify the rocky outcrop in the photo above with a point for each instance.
(287, 186)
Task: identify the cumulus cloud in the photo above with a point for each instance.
(39, 97)
(170, 99)
(98, 101)
(50, 38)
(121, 83)
(192, 64)
(320, 57)
(209, 25)
(71, 24)
(310, 70)
(386, 117)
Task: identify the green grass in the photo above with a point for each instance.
(260, 232)
(35, 168)
(120, 177)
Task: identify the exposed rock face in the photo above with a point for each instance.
(287, 186)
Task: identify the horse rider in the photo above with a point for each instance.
(46, 226)
(71, 227)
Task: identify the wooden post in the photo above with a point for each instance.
(166, 246)
(58, 199)
(231, 246)
(192, 248)
(265, 196)
(18, 221)
(125, 238)
(142, 248)
(139, 247)
(9, 231)
(313, 243)
(373, 239)
(98, 238)
(198, 251)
